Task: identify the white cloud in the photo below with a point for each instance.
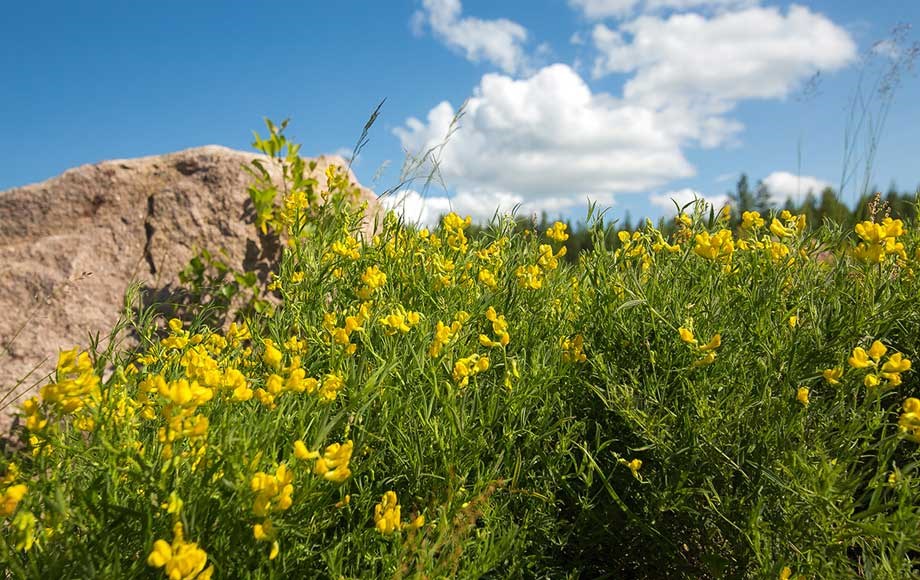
(784, 186)
(499, 41)
(618, 9)
(482, 207)
(598, 9)
(685, 196)
(711, 63)
(714, 5)
(549, 141)
(550, 136)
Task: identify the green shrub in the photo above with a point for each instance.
(426, 404)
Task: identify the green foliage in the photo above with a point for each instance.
(644, 416)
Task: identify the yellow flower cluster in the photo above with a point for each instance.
(556, 232)
(909, 422)
(879, 240)
(373, 280)
(387, 517)
(787, 225)
(341, 335)
(444, 335)
(180, 560)
(10, 498)
(547, 260)
(889, 372)
(182, 421)
(499, 327)
(399, 320)
(751, 220)
(332, 464)
(453, 231)
(529, 277)
(633, 248)
(718, 247)
(76, 388)
(347, 247)
(708, 350)
(468, 367)
(573, 349)
(295, 381)
(491, 256)
(273, 495)
(387, 514)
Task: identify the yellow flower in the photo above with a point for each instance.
(333, 464)
(859, 359)
(801, 395)
(386, 514)
(793, 321)
(373, 279)
(330, 387)
(468, 367)
(557, 232)
(634, 466)
(909, 423)
(706, 360)
(713, 344)
(499, 327)
(896, 363)
(877, 350)
(686, 335)
(785, 573)
(779, 230)
(10, 499)
(272, 356)
(487, 279)
(264, 531)
(751, 220)
(878, 240)
(718, 247)
(573, 349)
(174, 505)
(301, 451)
(273, 491)
(417, 523)
(181, 560)
(529, 277)
(833, 376)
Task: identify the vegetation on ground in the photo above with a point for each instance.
(730, 398)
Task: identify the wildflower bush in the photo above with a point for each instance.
(421, 403)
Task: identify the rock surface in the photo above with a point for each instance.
(70, 246)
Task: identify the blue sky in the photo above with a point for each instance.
(629, 102)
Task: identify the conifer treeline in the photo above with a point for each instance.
(817, 207)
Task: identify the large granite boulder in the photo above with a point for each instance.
(70, 246)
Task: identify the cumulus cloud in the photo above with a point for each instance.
(692, 60)
(788, 186)
(598, 9)
(682, 197)
(500, 41)
(548, 140)
(618, 9)
(425, 210)
(549, 136)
